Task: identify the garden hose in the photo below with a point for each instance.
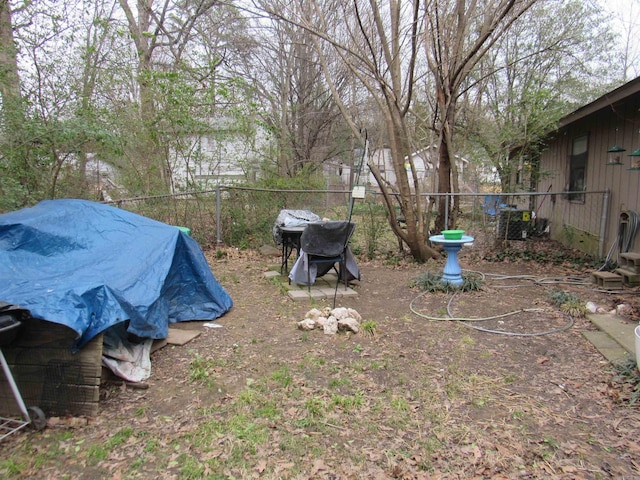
(469, 322)
(629, 234)
(625, 238)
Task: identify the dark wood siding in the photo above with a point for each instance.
(618, 124)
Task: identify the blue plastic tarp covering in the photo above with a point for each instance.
(90, 266)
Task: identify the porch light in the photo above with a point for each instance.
(635, 160)
(614, 155)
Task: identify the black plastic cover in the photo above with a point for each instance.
(326, 239)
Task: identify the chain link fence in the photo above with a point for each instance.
(244, 217)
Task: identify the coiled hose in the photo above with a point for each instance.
(625, 239)
(629, 234)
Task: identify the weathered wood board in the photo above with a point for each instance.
(49, 375)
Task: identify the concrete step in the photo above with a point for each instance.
(630, 261)
(630, 278)
(608, 280)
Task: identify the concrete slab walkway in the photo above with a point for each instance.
(324, 287)
(615, 337)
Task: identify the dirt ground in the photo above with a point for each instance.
(431, 397)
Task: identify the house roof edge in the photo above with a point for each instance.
(607, 100)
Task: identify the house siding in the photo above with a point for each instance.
(580, 224)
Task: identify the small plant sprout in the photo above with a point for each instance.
(369, 327)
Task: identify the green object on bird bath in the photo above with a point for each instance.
(452, 234)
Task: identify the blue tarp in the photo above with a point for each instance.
(90, 266)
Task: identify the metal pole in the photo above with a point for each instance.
(326, 197)
(14, 387)
(446, 211)
(218, 215)
(603, 222)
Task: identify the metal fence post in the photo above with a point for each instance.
(446, 211)
(326, 198)
(218, 215)
(603, 223)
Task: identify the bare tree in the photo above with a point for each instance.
(624, 18)
(299, 108)
(379, 45)
(165, 28)
(532, 77)
(459, 34)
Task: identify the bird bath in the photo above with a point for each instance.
(452, 272)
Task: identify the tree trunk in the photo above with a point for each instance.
(15, 152)
(9, 77)
(149, 162)
(444, 168)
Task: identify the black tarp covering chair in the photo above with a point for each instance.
(326, 244)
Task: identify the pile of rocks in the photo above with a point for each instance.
(623, 309)
(331, 321)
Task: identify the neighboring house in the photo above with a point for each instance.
(221, 156)
(592, 172)
(217, 156)
(422, 161)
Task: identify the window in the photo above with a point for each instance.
(577, 169)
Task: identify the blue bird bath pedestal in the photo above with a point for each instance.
(452, 272)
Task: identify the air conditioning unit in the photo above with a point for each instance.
(514, 224)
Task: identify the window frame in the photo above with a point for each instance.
(578, 168)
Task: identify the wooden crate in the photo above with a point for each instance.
(49, 375)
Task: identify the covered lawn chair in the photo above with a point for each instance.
(491, 205)
(325, 245)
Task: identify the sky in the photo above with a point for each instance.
(626, 23)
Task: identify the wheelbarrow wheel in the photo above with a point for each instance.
(37, 417)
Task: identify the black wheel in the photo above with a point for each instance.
(37, 417)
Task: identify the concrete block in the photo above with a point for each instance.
(629, 278)
(608, 280)
(630, 261)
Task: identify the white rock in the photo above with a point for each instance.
(613, 312)
(349, 323)
(331, 327)
(307, 324)
(353, 314)
(624, 309)
(321, 322)
(591, 307)
(326, 312)
(313, 314)
(601, 310)
(340, 313)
